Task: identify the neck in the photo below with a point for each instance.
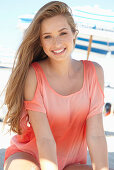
(61, 68)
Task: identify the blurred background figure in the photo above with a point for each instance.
(107, 109)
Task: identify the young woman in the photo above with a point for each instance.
(54, 102)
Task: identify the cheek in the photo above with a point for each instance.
(70, 41)
(45, 44)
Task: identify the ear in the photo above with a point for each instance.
(75, 36)
(74, 39)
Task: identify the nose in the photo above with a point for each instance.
(57, 41)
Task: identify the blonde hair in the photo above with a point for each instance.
(29, 52)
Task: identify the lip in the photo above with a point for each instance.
(59, 50)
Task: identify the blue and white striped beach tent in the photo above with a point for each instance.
(96, 30)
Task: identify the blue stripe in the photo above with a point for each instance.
(96, 41)
(95, 50)
(94, 19)
(28, 20)
(95, 14)
(112, 52)
(111, 43)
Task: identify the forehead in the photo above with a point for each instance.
(54, 23)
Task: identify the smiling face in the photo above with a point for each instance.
(56, 37)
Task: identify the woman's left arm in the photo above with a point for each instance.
(95, 136)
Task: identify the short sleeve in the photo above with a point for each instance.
(96, 96)
(37, 103)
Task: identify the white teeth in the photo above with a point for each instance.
(58, 51)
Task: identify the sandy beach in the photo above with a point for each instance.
(5, 137)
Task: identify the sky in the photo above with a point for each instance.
(11, 10)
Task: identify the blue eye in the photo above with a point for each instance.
(63, 33)
(47, 37)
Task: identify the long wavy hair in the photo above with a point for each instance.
(29, 51)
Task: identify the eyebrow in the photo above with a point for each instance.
(58, 31)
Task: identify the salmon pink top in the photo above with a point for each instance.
(67, 117)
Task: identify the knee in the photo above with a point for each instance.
(17, 164)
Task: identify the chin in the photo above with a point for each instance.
(60, 57)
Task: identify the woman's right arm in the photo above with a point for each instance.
(45, 142)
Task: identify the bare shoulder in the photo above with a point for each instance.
(30, 84)
(100, 74)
